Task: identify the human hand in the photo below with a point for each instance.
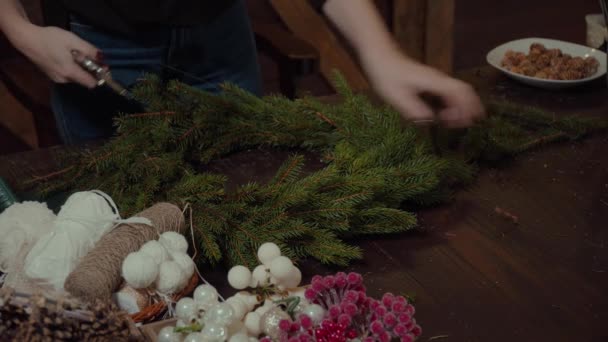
(401, 81)
(50, 48)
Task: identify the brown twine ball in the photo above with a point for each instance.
(98, 275)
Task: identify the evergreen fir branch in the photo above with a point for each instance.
(375, 167)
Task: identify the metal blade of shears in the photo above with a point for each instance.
(102, 74)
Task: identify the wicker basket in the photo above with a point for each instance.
(153, 312)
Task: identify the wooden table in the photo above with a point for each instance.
(476, 276)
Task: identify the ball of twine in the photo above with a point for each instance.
(98, 275)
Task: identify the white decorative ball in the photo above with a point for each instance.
(195, 337)
(185, 309)
(280, 267)
(315, 312)
(167, 334)
(185, 262)
(170, 278)
(294, 278)
(267, 252)
(205, 295)
(240, 337)
(260, 276)
(180, 323)
(155, 250)
(239, 307)
(174, 241)
(239, 277)
(253, 323)
(139, 270)
(221, 314)
(213, 332)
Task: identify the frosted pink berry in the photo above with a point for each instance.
(353, 278)
(310, 293)
(416, 330)
(404, 318)
(384, 337)
(380, 310)
(400, 330)
(410, 310)
(306, 322)
(349, 309)
(341, 280)
(376, 327)
(390, 320)
(398, 307)
(387, 299)
(334, 311)
(284, 325)
(329, 282)
(344, 319)
(408, 338)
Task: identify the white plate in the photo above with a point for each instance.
(495, 57)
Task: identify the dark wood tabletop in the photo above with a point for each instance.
(475, 275)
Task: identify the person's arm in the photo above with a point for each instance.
(48, 47)
(397, 78)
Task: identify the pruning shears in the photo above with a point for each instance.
(102, 74)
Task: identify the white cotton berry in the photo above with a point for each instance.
(155, 250)
(280, 267)
(260, 276)
(240, 337)
(174, 241)
(267, 252)
(170, 278)
(239, 277)
(139, 270)
(250, 300)
(253, 323)
(294, 278)
(239, 307)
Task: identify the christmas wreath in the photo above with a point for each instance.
(375, 166)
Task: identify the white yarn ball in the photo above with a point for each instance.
(260, 276)
(185, 262)
(139, 270)
(253, 323)
(155, 250)
(267, 252)
(239, 277)
(280, 267)
(22, 223)
(174, 241)
(170, 278)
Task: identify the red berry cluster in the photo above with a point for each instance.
(351, 314)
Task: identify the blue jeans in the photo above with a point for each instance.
(217, 52)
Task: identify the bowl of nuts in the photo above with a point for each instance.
(548, 63)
